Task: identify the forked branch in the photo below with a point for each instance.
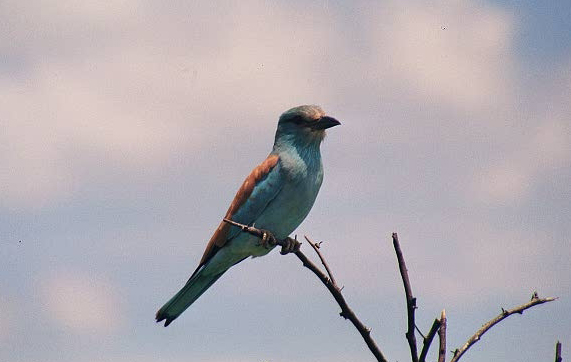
(535, 300)
(327, 280)
(428, 340)
(439, 326)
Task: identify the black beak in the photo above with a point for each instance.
(325, 122)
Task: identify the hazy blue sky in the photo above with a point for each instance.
(126, 127)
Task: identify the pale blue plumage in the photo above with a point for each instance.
(264, 194)
(277, 196)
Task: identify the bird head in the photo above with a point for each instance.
(305, 124)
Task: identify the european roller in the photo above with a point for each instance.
(276, 196)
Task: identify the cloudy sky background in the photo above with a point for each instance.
(126, 128)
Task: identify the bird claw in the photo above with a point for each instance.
(289, 245)
(268, 239)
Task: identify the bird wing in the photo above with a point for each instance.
(257, 191)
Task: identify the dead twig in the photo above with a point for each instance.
(315, 247)
(328, 281)
(535, 300)
(428, 340)
(558, 352)
(442, 337)
(292, 245)
(410, 300)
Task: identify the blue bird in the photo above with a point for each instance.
(276, 196)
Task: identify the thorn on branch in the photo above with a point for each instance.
(535, 295)
(315, 247)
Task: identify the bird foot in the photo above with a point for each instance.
(289, 245)
(268, 240)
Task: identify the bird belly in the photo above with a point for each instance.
(281, 217)
(239, 248)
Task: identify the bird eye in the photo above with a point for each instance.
(297, 119)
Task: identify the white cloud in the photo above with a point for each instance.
(136, 103)
(80, 303)
(50, 125)
(457, 54)
(533, 160)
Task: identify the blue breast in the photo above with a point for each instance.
(303, 174)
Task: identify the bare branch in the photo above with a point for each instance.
(315, 247)
(290, 245)
(558, 357)
(428, 340)
(442, 337)
(535, 300)
(419, 332)
(410, 300)
(287, 244)
(346, 312)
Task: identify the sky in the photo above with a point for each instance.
(127, 126)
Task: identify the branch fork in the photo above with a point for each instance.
(290, 245)
(327, 279)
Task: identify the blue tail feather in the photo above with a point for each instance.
(193, 289)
